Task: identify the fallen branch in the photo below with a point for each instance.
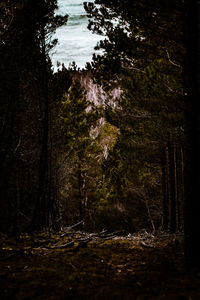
(73, 226)
(110, 235)
(67, 245)
(64, 246)
(84, 242)
(145, 245)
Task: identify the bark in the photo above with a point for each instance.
(182, 189)
(172, 161)
(80, 196)
(16, 229)
(192, 161)
(179, 187)
(41, 210)
(165, 186)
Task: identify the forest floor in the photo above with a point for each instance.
(91, 266)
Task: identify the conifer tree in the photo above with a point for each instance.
(76, 118)
(143, 53)
(25, 27)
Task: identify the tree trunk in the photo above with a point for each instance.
(179, 187)
(172, 162)
(192, 158)
(182, 189)
(165, 186)
(80, 196)
(41, 210)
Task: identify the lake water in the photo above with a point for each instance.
(75, 41)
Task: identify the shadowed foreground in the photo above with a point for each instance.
(83, 267)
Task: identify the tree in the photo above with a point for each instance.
(76, 118)
(152, 30)
(192, 179)
(44, 207)
(25, 28)
(143, 53)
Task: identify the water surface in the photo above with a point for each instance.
(75, 41)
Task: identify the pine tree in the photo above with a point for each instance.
(76, 118)
(26, 27)
(143, 53)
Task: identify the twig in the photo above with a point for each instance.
(173, 63)
(73, 226)
(145, 245)
(64, 246)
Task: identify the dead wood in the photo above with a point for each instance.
(73, 226)
(64, 246)
(143, 244)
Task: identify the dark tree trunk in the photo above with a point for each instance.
(165, 186)
(42, 209)
(16, 228)
(80, 196)
(179, 187)
(192, 164)
(182, 189)
(53, 183)
(172, 165)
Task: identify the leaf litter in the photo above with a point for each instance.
(79, 265)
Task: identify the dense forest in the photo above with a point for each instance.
(112, 148)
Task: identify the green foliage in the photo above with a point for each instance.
(76, 117)
(143, 54)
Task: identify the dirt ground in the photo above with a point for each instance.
(72, 267)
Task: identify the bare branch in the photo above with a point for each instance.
(173, 63)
